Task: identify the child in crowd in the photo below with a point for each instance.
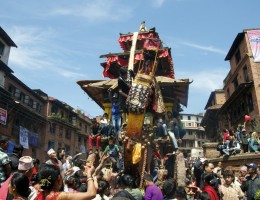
(112, 150)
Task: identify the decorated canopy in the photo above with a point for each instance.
(171, 89)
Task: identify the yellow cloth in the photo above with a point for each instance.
(137, 153)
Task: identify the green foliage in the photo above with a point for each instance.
(257, 195)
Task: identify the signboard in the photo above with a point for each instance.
(24, 140)
(3, 116)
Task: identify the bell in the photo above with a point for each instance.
(247, 118)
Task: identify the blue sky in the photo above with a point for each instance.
(59, 42)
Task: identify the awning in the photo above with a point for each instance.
(115, 61)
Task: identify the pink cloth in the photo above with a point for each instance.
(4, 188)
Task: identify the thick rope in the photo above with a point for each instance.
(143, 167)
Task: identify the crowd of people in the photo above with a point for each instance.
(103, 176)
(235, 142)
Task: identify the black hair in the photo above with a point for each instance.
(204, 196)
(102, 186)
(123, 71)
(180, 192)
(74, 181)
(3, 139)
(227, 173)
(59, 150)
(21, 183)
(207, 177)
(36, 161)
(48, 175)
(127, 180)
(148, 177)
(18, 148)
(211, 180)
(206, 164)
(169, 187)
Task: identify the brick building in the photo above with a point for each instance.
(47, 122)
(241, 85)
(210, 120)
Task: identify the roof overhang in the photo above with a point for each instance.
(6, 38)
(210, 113)
(171, 89)
(241, 88)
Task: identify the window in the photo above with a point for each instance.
(67, 149)
(54, 109)
(22, 97)
(235, 82)
(17, 93)
(30, 103)
(34, 153)
(245, 72)
(190, 132)
(68, 134)
(228, 93)
(243, 107)
(11, 89)
(189, 124)
(2, 47)
(189, 117)
(26, 99)
(39, 108)
(2, 79)
(51, 144)
(250, 102)
(238, 56)
(61, 132)
(53, 128)
(34, 105)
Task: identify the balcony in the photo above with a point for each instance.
(59, 118)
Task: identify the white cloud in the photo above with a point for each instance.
(37, 52)
(205, 48)
(205, 81)
(157, 3)
(69, 74)
(109, 10)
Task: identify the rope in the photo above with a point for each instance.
(143, 167)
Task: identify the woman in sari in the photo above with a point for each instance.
(208, 182)
(50, 183)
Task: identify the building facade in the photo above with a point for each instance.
(32, 118)
(240, 95)
(210, 120)
(195, 135)
(241, 85)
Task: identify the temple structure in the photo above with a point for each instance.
(174, 91)
(154, 90)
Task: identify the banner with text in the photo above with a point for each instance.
(254, 39)
(24, 141)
